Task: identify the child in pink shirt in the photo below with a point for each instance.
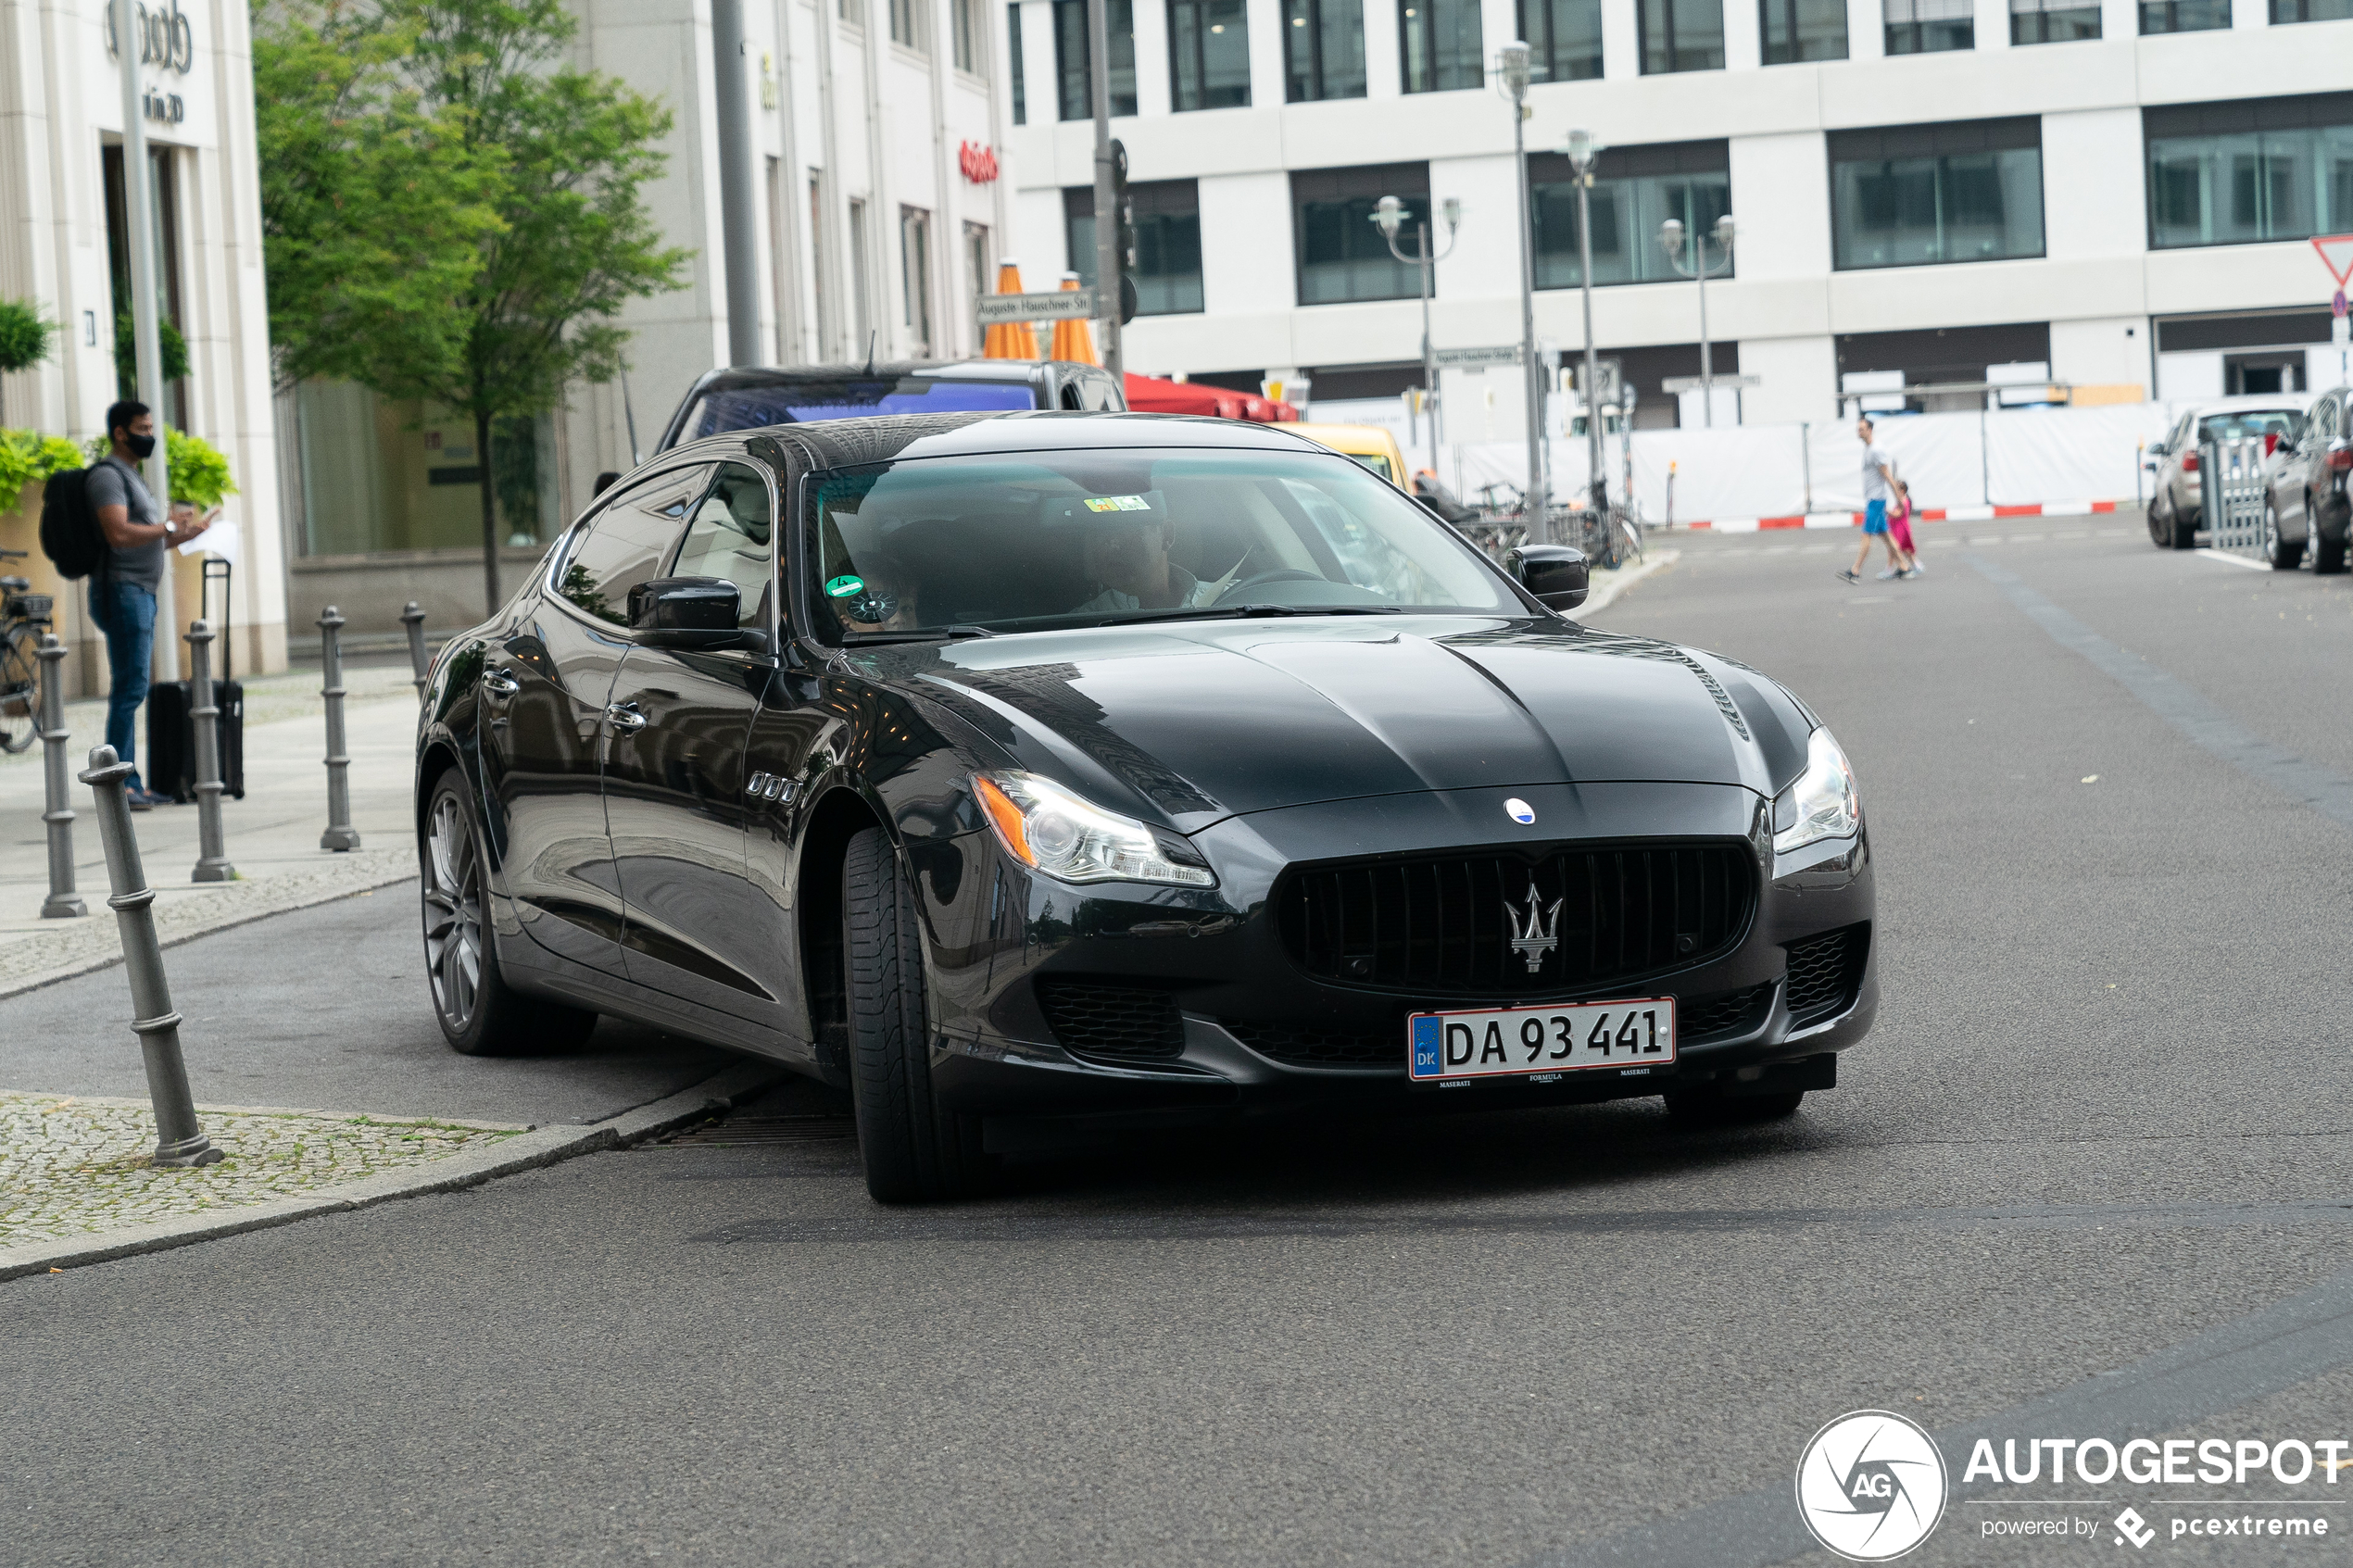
(1899, 532)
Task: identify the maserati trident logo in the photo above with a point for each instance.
(1535, 937)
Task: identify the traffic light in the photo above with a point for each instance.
(1123, 235)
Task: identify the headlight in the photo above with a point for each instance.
(1822, 803)
(1044, 825)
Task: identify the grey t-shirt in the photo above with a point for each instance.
(1875, 483)
(113, 484)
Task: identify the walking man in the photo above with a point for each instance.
(123, 591)
(1879, 475)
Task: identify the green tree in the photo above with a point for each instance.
(126, 353)
(373, 207)
(553, 155)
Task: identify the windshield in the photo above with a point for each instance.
(850, 397)
(1029, 541)
(2242, 423)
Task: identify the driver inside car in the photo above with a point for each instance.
(1127, 553)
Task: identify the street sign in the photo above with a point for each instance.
(1475, 358)
(1062, 305)
(2336, 254)
(1692, 384)
(1606, 376)
(2336, 306)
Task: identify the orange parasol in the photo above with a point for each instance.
(1074, 341)
(1009, 340)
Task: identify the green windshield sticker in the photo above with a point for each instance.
(842, 587)
(1117, 504)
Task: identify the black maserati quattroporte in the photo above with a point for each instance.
(1012, 771)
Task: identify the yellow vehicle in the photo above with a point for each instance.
(1369, 444)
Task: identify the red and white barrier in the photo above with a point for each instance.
(1926, 514)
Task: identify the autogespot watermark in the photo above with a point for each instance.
(1872, 1485)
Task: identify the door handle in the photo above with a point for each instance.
(625, 717)
(498, 685)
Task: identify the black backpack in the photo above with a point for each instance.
(69, 534)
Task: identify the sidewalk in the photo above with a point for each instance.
(272, 835)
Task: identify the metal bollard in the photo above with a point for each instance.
(212, 858)
(340, 833)
(179, 1140)
(414, 619)
(63, 902)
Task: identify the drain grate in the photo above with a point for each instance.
(758, 1129)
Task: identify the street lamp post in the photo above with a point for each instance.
(1584, 148)
(1670, 234)
(1390, 214)
(1511, 64)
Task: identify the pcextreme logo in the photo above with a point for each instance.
(1871, 1485)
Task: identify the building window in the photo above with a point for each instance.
(2286, 11)
(1930, 27)
(821, 270)
(1796, 31)
(2184, 15)
(1635, 190)
(907, 23)
(1012, 50)
(2266, 169)
(1323, 50)
(914, 267)
(861, 290)
(963, 45)
(1342, 254)
(2053, 21)
(1167, 270)
(1440, 43)
(1076, 83)
(1208, 54)
(853, 12)
(1681, 36)
(978, 265)
(1916, 195)
(1564, 38)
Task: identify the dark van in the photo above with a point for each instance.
(747, 399)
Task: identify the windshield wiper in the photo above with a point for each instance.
(936, 635)
(1236, 612)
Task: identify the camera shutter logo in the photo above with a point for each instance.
(1871, 1485)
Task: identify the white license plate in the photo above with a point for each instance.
(1540, 1044)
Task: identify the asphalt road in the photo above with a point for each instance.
(2094, 1157)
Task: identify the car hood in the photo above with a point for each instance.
(1188, 723)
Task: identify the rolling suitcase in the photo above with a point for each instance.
(172, 726)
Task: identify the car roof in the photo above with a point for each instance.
(1372, 439)
(2295, 402)
(829, 444)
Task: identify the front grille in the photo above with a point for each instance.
(1825, 973)
(1323, 1048)
(1463, 923)
(1727, 1013)
(1114, 1024)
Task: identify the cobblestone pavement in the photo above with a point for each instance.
(70, 1166)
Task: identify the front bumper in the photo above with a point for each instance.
(1218, 954)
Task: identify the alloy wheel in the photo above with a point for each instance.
(453, 913)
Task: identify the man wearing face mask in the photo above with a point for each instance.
(123, 591)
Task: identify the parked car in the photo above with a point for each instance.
(1007, 772)
(754, 398)
(2305, 510)
(1372, 445)
(2173, 506)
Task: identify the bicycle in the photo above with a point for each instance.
(23, 616)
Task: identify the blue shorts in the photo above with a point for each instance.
(1875, 516)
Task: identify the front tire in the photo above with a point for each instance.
(479, 1014)
(915, 1150)
(2282, 555)
(2328, 555)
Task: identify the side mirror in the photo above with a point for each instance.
(1557, 574)
(686, 612)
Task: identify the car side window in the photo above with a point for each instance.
(732, 536)
(623, 544)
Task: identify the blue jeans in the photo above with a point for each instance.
(126, 613)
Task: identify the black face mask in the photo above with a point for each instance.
(142, 446)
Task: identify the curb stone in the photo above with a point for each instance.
(1624, 578)
(524, 1152)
